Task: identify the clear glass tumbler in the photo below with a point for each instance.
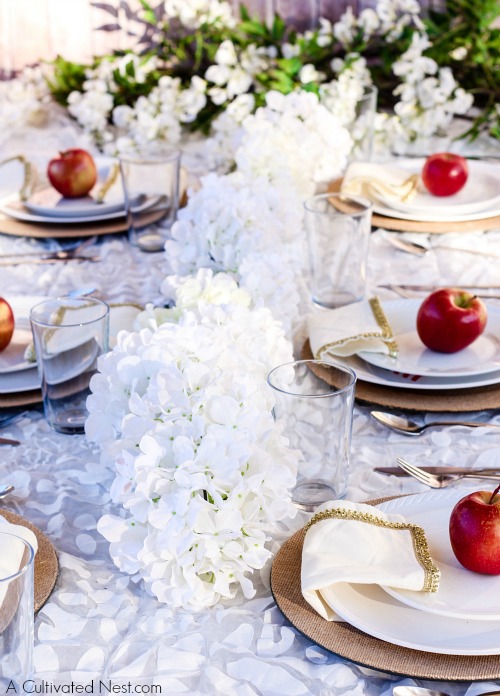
(317, 420)
(69, 335)
(338, 232)
(151, 189)
(362, 127)
(16, 612)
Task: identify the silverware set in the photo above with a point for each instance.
(72, 253)
(405, 426)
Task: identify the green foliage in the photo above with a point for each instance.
(463, 37)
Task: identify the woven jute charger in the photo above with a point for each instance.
(354, 645)
(46, 564)
(436, 401)
(400, 225)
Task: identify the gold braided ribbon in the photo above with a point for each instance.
(420, 546)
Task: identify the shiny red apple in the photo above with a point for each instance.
(450, 319)
(475, 531)
(73, 173)
(445, 174)
(6, 323)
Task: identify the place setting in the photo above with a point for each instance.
(393, 364)
(397, 591)
(409, 194)
(20, 377)
(79, 195)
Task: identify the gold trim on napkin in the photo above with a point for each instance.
(423, 556)
(386, 332)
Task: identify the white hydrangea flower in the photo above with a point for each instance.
(203, 473)
(297, 129)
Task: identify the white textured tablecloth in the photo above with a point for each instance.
(98, 624)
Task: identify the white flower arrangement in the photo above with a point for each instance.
(182, 410)
(250, 223)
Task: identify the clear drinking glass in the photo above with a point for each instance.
(338, 230)
(69, 335)
(16, 612)
(361, 128)
(151, 189)
(317, 420)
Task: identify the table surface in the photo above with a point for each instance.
(100, 624)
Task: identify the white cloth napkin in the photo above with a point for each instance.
(10, 553)
(353, 547)
(380, 182)
(347, 330)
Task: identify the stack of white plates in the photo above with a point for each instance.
(47, 206)
(417, 367)
(461, 618)
(478, 200)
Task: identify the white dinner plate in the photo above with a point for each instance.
(375, 612)
(50, 203)
(404, 380)
(481, 193)
(462, 594)
(480, 358)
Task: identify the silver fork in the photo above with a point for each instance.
(439, 480)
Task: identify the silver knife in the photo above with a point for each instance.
(49, 259)
(477, 289)
(397, 471)
(7, 441)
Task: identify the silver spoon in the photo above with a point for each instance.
(5, 490)
(406, 426)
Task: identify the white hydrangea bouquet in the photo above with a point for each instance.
(182, 410)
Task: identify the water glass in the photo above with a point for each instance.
(317, 420)
(69, 335)
(338, 230)
(362, 127)
(151, 190)
(16, 612)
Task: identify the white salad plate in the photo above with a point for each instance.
(12, 358)
(462, 594)
(479, 358)
(373, 610)
(50, 203)
(480, 193)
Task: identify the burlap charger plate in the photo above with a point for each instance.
(346, 641)
(27, 398)
(399, 225)
(430, 401)
(46, 564)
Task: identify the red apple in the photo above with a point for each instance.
(445, 174)
(73, 173)
(6, 323)
(475, 531)
(450, 319)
